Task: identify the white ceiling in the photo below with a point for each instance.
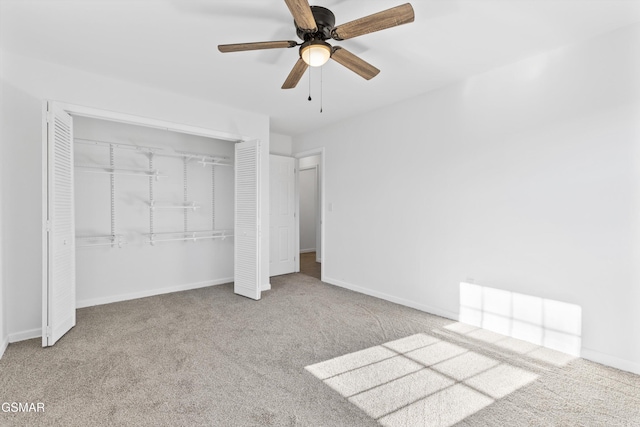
(171, 44)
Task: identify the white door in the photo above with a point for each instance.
(282, 215)
(247, 220)
(59, 283)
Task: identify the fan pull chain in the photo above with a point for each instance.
(309, 99)
(321, 89)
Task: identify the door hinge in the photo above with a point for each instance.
(48, 226)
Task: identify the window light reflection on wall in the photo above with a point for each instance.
(549, 323)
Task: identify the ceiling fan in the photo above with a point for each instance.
(315, 25)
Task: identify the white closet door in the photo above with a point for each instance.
(282, 220)
(59, 286)
(247, 220)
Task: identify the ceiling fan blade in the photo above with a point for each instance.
(238, 47)
(295, 75)
(302, 14)
(354, 63)
(393, 17)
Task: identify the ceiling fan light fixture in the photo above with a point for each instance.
(315, 53)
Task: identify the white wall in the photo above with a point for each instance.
(105, 274)
(4, 337)
(310, 233)
(308, 206)
(26, 83)
(525, 178)
(280, 144)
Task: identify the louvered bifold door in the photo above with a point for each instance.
(59, 289)
(247, 220)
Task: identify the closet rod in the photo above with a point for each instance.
(102, 244)
(217, 232)
(191, 156)
(116, 239)
(189, 238)
(144, 148)
(205, 163)
(119, 171)
(203, 155)
(188, 205)
(193, 238)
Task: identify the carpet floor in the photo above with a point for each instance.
(307, 354)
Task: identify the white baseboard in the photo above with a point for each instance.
(151, 292)
(3, 346)
(266, 286)
(431, 310)
(25, 335)
(609, 360)
(592, 355)
(306, 251)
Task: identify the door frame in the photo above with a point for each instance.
(97, 113)
(321, 202)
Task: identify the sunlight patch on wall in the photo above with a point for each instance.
(420, 380)
(552, 324)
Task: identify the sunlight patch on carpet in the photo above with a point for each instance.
(420, 380)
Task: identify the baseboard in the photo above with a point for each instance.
(428, 309)
(25, 335)
(4, 346)
(151, 292)
(592, 355)
(266, 287)
(306, 251)
(609, 360)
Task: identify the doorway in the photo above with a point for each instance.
(310, 196)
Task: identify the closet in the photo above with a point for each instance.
(153, 211)
(133, 207)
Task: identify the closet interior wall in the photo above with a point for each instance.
(154, 216)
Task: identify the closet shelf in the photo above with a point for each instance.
(119, 171)
(177, 236)
(142, 148)
(171, 205)
(105, 240)
(201, 158)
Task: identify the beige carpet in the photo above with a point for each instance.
(307, 354)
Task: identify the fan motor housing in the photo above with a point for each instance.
(325, 21)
